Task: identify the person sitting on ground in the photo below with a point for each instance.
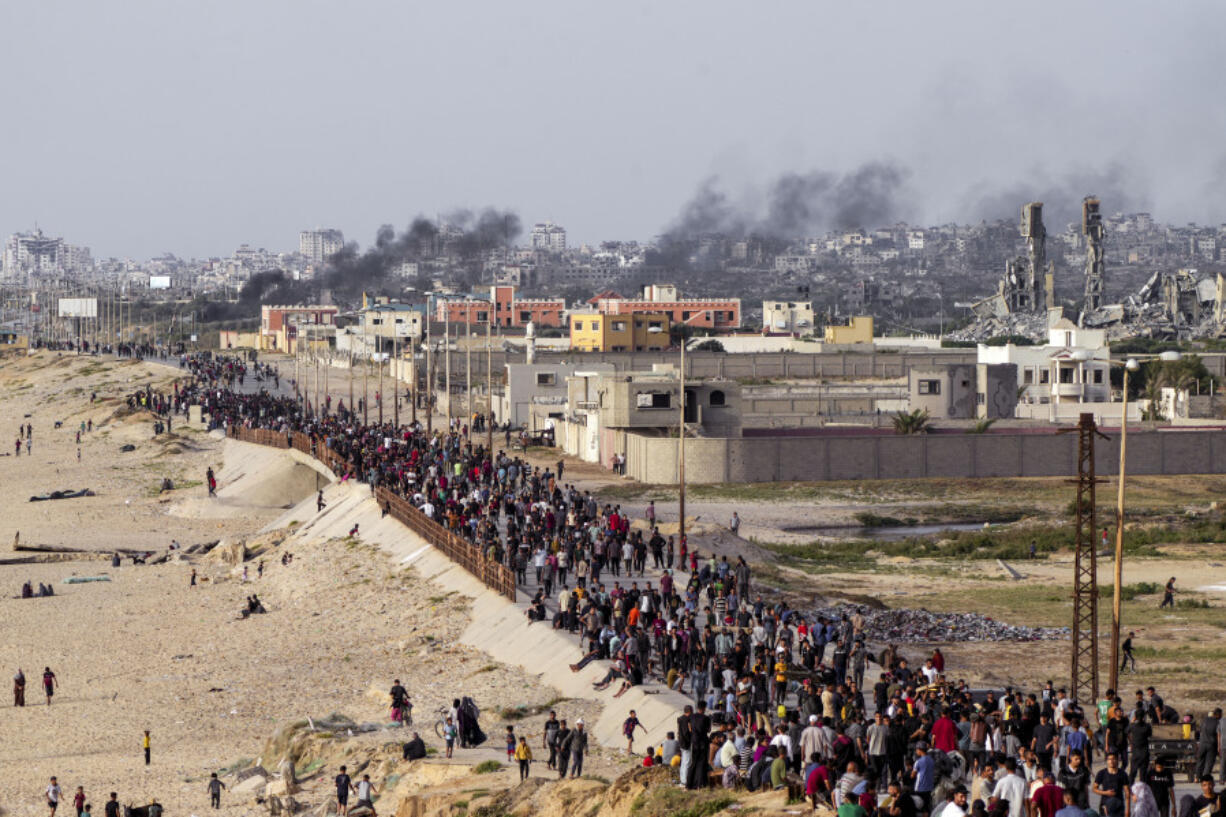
(415, 748)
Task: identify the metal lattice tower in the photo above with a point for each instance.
(1085, 572)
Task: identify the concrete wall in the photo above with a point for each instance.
(830, 363)
(498, 626)
(889, 456)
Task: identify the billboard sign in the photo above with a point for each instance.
(159, 282)
(78, 307)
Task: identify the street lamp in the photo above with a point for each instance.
(1131, 365)
(655, 330)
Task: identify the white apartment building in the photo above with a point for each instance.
(320, 244)
(548, 237)
(35, 253)
(1056, 380)
(793, 317)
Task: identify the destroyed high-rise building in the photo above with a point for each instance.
(1027, 283)
(1094, 231)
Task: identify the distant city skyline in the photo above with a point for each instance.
(147, 128)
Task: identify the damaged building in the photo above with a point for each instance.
(1027, 285)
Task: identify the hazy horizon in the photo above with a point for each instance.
(150, 127)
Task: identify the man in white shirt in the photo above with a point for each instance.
(783, 741)
(956, 807)
(1011, 787)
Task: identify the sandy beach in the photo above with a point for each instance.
(147, 651)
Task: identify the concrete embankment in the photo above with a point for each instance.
(498, 627)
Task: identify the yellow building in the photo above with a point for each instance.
(858, 330)
(639, 332)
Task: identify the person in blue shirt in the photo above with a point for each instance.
(1071, 809)
(924, 773)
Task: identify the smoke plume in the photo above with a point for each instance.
(1119, 186)
(465, 236)
(799, 205)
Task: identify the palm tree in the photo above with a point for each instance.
(911, 422)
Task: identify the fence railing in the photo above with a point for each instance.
(494, 575)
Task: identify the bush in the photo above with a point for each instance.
(487, 766)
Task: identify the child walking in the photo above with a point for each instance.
(523, 753)
(510, 743)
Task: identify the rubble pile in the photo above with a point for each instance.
(1028, 324)
(907, 625)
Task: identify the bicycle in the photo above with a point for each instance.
(443, 713)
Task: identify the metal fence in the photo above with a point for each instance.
(494, 575)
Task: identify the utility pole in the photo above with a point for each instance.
(412, 381)
(468, 368)
(349, 377)
(379, 393)
(429, 383)
(447, 374)
(365, 375)
(681, 450)
(489, 389)
(1084, 675)
(395, 373)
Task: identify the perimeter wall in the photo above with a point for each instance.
(965, 456)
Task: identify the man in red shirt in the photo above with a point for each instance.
(945, 733)
(1048, 798)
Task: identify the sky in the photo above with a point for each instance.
(139, 127)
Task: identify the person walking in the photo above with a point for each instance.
(145, 745)
(1126, 652)
(50, 682)
(344, 785)
(54, 793)
(577, 744)
(212, 481)
(1168, 595)
(19, 688)
(111, 809)
(563, 743)
(78, 801)
(523, 754)
(631, 723)
(215, 786)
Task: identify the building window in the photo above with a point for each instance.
(546, 378)
(1027, 377)
(1066, 374)
(483, 317)
(717, 398)
(619, 326)
(578, 326)
(930, 387)
(653, 400)
(1098, 376)
(1044, 376)
(980, 398)
(525, 316)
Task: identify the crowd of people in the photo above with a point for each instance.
(779, 697)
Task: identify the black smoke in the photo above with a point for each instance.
(464, 237)
(1120, 187)
(794, 206)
